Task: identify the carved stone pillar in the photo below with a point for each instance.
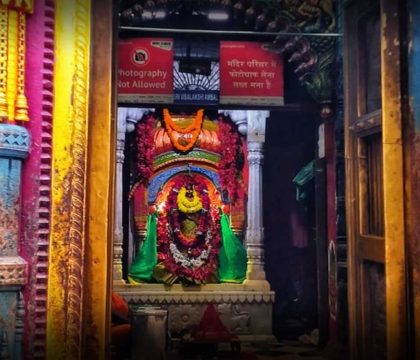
(255, 231)
(14, 146)
(118, 231)
(127, 119)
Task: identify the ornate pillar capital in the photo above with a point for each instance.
(14, 141)
(13, 272)
(239, 117)
(255, 153)
(128, 118)
(256, 125)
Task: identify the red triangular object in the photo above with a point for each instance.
(211, 328)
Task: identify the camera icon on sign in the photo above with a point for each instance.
(140, 57)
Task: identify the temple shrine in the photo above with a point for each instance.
(209, 179)
(189, 209)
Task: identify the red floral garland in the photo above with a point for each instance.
(145, 149)
(229, 154)
(208, 231)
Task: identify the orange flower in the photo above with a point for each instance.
(187, 136)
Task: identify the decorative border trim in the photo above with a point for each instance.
(198, 155)
(13, 271)
(14, 140)
(20, 5)
(39, 291)
(36, 181)
(243, 297)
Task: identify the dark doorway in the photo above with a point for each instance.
(290, 248)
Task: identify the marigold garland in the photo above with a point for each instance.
(187, 137)
(190, 258)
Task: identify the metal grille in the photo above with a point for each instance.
(375, 203)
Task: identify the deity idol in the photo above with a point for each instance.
(189, 239)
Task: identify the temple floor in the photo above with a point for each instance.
(180, 302)
(283, 350)
(286, 350)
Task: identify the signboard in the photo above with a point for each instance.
(194, 87)
(162, 71)
(196, 71)
(250, 74)
(145, 70)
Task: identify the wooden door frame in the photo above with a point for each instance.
(101, 181)
(393, 178)
(98, 196)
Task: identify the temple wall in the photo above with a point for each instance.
(36, 180)
(14, 147)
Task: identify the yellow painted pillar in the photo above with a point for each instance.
(80, 264)
(68, 209)
(393, 175)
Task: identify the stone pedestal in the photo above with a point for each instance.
(244, 310)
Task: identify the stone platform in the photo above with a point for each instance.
(246, 310)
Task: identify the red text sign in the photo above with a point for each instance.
(145, 70)
(250, 74)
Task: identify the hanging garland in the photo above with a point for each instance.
(190, 257)
(145, 150)
(183, 139)
(229, 154)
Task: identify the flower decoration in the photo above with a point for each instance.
(190, 257)
(145, 149)
(183, 139)
(229, 155)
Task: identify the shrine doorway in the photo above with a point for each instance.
(292, 141)
(289, 217)
(99, 216)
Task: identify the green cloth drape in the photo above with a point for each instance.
(232, 255)
(144, 264)
(301, 180)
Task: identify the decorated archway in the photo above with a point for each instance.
(84, 155)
